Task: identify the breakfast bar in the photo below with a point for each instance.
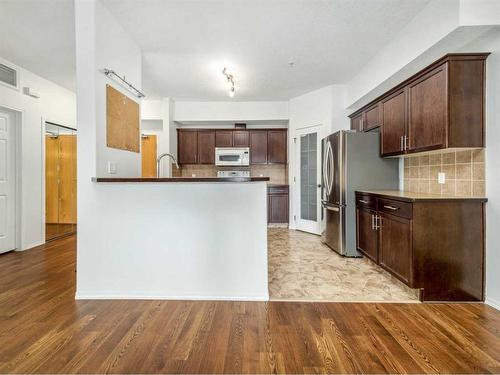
(175, 238)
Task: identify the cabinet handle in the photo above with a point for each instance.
(401, 147)
(377, 224)
(363, 201)
(373, 222)
(392, 208)
(407, 145)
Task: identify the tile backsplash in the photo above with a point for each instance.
(277, 173)
(464, 172)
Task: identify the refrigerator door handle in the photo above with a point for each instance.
(325, 169)
(331, 208)
(331, 169)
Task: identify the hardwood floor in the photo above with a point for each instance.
(44, 330)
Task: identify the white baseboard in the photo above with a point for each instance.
(86, 296)
(493, 303)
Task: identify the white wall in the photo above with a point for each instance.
(114, 50)
(230, 111)
(57, 105)
(324, 107)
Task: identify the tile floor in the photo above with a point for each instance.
(301, 267)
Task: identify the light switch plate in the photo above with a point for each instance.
(111, 167)
(441, 178)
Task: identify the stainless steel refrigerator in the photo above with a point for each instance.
(350, 162)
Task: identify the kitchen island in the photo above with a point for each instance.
(175, 238)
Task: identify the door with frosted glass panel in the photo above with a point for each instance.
(308, 179)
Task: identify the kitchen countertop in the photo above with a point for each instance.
(412, 197)
(179, 179)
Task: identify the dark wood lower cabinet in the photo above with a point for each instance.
(277, 204)
(366, 234)
(395, 252)
(435, 245)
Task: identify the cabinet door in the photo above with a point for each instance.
(277, 209)
(428, 111)
(224, 138)
(187, 144)
(356, 123)
(241, 138)
(258, 147)
(366, 234)
(393, 123)
(206, 147)
(276, 146)
(371, 118)
(395, 249)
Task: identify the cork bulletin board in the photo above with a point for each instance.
(122, 121)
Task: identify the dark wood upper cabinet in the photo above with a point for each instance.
(366, 234)
(277, 146)
(442, 106)
(357, 122)
(258, 146)
(241, 138)
(371, 117)
(223, 138)
(187, 144)
(206, 147)
(428, 111)
(393, 128)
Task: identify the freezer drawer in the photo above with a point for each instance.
(334, 233)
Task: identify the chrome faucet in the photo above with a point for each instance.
(159, 160)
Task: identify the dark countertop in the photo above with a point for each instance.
(409, 196)
(179, 179)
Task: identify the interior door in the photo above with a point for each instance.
(7, 183)
(308, 179)
(149, 151)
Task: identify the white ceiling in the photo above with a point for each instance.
(39, 35)
(186, 43)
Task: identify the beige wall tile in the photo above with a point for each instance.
(478, 171)
(435, 159)
(424, 160)
(449, 171)
(414, 162)
(464, 156)
(434, 187)
(414, 172)
(448, 158)
(463, 172)
(449, 187)
(406, 172)
(478, 188)
(423, 186)
(433, 172)
(464, 188)
(478, 156)
(407, 162)
(423, 172)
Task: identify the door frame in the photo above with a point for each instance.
(43, 127)
(295, 221)
(17, 116)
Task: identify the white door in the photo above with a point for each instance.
(7, 183)
(308, 179)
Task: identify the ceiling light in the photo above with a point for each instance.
(230, 82)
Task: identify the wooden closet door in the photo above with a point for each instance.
(67, 179)
(148, 155)
(51, 179)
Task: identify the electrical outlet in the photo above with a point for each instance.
(441, 178)
(193, 175)
(111, 167)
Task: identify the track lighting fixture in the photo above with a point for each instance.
(230, 81)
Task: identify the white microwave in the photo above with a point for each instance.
(232, 156)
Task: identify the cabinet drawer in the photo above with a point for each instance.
(366, 201)
(277, 189)
(396, 208)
